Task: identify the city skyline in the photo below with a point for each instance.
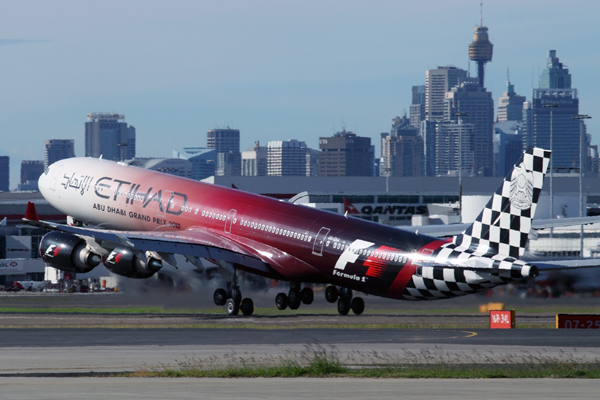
(275, 71)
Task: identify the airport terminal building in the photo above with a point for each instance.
(395, 200)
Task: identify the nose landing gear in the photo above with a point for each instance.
(232, 299)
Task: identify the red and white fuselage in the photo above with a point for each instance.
(292, 242)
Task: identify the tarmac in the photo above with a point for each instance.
(51, 355)
(296, 388)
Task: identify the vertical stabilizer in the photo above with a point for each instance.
(504, 224)
(31, 213)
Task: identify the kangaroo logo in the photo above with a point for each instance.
(521, 188)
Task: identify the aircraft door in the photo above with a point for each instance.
(57, 171)
(230, 220)
(320, 241)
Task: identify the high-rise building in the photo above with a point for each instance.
(550, 114)
(312, 161)
(223, 140)
(107, 137)
(31, 170)
(254, 161)
(203, 161)
(477, 106)
(287, 158)
(508, 146)
(345, 154)
(510, 105)
(402, 149)
(417, 106)
(437, 83)
(555, 76)
(58, 149)
(4, 173)
(226, 142)
(454, 148)
(428, 133)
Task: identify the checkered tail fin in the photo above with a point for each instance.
(504, 224)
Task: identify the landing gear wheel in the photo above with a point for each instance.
(346, 294)
(307, 295)
(220, 297)
(247, 306)
(331, 294)
(343, 306)
(357, 305)
(236, 294)
(294, 298)
(281, 301)
(232, 306)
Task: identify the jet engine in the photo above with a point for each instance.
(68, 252)
(125, 262)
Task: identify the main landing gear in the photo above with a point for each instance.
(343, 296)
(295, 297)
(345, 301)
(232, 300)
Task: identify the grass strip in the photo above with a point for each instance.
(564, 371)
(318, 361)
(272, 311)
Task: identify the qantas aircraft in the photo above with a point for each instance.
(134, 220)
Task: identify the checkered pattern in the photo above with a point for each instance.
(504, 224)
(451, 271)
(485, 255)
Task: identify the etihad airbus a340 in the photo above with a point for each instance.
(134, 220)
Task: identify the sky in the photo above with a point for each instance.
(274, 69)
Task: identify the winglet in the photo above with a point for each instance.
(31, 213)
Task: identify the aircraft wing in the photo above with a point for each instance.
(456, 229)
(558, 222)
(566, 264)
(192, 242)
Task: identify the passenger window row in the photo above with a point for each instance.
(272, 229)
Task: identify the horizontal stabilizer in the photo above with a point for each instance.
(564, 265)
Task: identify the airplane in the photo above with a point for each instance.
(134, 220)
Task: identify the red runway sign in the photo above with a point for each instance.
(504, 319)
(577, 321)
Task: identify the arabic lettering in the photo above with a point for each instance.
(81, 184)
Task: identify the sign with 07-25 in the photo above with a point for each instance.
(577, 321)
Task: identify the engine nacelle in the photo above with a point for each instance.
(124, 261)
(68, 252)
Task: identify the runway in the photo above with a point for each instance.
(69, 352)
(296, 388)
(56, 356)
(364, 338)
